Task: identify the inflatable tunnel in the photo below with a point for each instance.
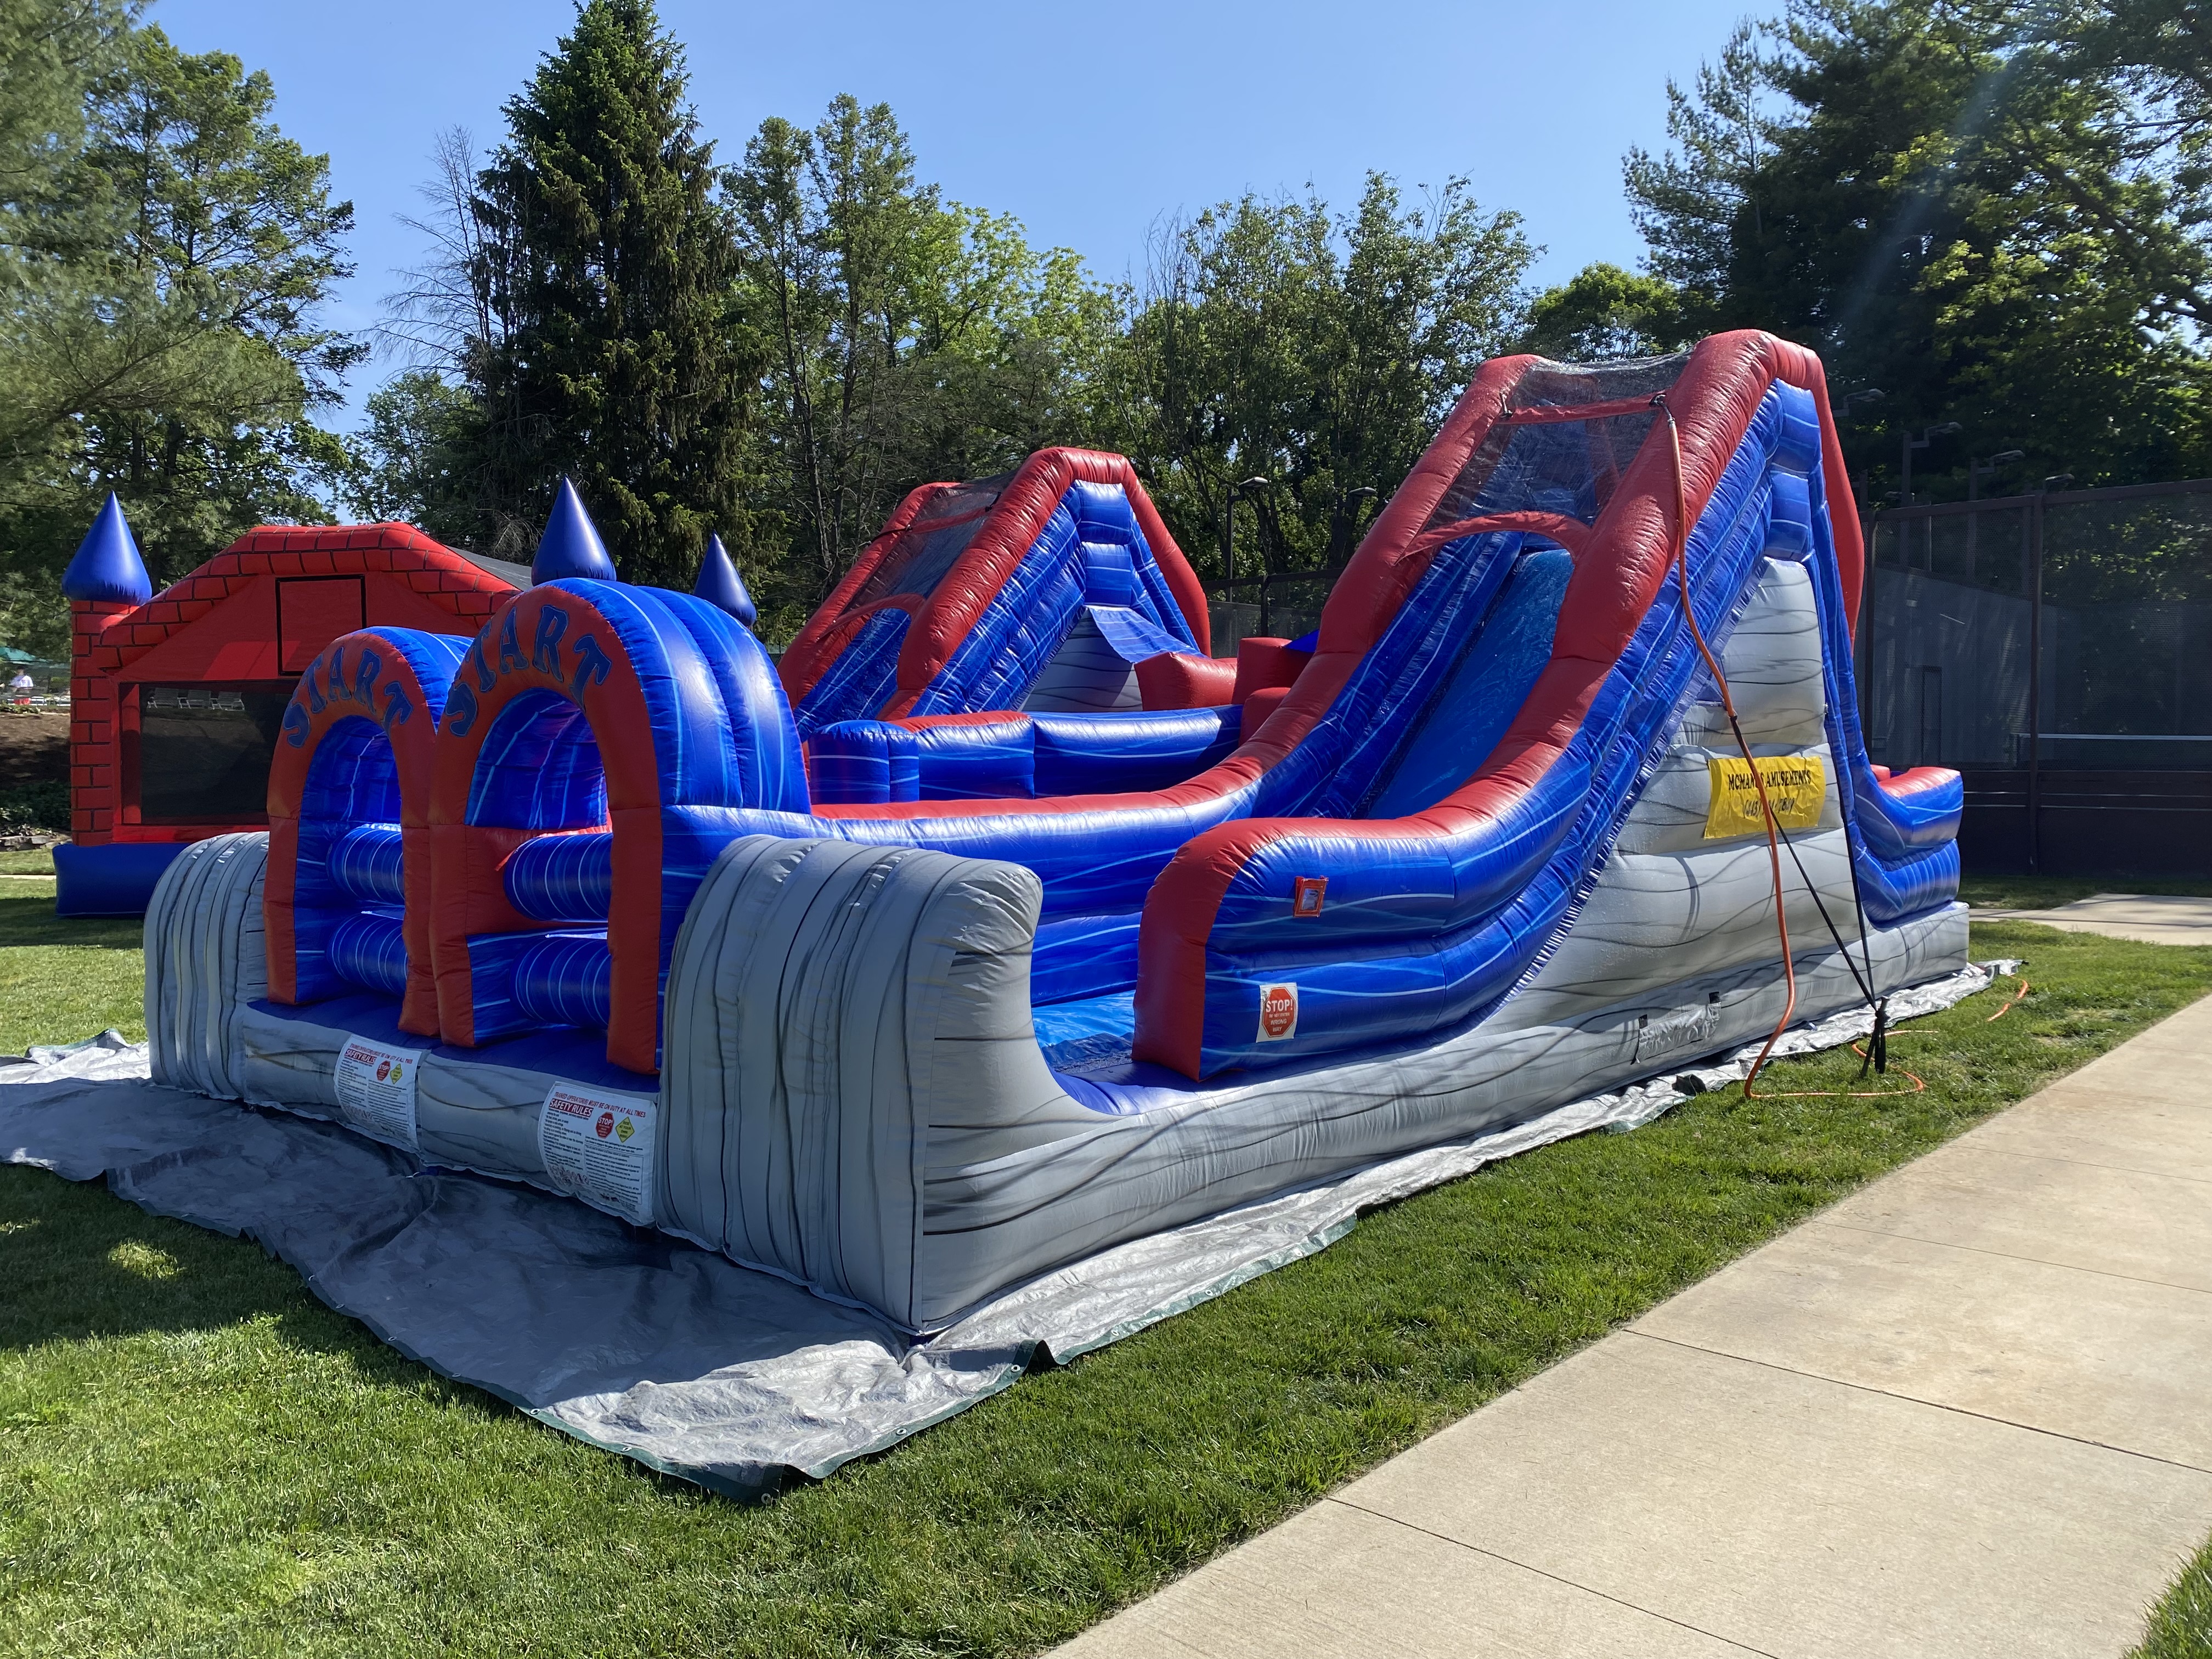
(1499, 840)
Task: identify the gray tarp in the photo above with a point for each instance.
(642, 1344)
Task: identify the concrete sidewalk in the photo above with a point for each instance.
(1965, 1411)
(2152, 917)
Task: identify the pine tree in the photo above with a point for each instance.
(610, 257)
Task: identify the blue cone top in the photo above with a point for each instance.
(570, 546)
(720, 585)
(108, 567)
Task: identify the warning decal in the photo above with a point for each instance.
(1795, 786)
(1278, 1012)
(599, 1147)
(375, 1088)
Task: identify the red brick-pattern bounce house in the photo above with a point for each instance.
(177, 698)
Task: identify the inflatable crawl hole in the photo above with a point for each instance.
(346, 907)
(539, 768)
(349, 897)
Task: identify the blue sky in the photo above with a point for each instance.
(1087, 123)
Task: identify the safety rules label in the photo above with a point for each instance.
(599, 1148)
(1279, 1013)
(1795, 786)
(376, 1089)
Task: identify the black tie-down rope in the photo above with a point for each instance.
(1874, 1055)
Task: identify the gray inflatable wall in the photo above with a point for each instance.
(204, 963)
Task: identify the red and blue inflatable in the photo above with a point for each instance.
(957, 952)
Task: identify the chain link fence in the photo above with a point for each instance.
(1282, 606)
(2057, 649)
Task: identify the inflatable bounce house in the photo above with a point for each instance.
(1004, 926)
(176, 699)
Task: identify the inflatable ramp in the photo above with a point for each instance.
(1498, 840)
(1042, 589)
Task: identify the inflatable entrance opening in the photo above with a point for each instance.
(593, 741)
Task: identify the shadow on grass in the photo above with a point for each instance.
(29, 919)
(83, 1265)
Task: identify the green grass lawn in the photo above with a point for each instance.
(2046, 892)
(60, 980)
(2181, 1623)
(196, 1455)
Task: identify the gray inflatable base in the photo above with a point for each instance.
(667, 1354)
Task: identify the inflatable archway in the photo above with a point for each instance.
(347, 901)
(592, 740)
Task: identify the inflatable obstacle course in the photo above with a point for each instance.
(1015, 985)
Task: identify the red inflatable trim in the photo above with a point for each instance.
(414, 746)
(1898, 785)
(1180, 679)
(468, 895)
(1262, 662)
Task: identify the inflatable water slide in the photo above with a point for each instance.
(908, 998)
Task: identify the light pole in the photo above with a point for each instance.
(1352, 501)
(2055, 481)
(1229, 544)
(1228, 527)
(1976, 471)
(1928, 436)
(1846, 411)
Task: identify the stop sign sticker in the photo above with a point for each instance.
(1278, 1012)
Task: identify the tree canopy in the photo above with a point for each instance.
(165, 253)
(1996, 216)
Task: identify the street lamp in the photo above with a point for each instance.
(1229, 531)
(1928, 436)
(1977, 470)
(1847, 409)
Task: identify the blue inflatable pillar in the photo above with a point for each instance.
(570, 545)
(720, 585)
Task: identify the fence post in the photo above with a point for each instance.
(2035, 684)
(1870, 528)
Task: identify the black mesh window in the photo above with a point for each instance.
(203, 750)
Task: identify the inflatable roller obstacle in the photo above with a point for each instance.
(1004, 986)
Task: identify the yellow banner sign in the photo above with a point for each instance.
(1795, 786)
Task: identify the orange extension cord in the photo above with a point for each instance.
(1767, 811)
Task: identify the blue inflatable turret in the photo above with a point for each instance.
(570, 546)
(720, 585)
(107, 567)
